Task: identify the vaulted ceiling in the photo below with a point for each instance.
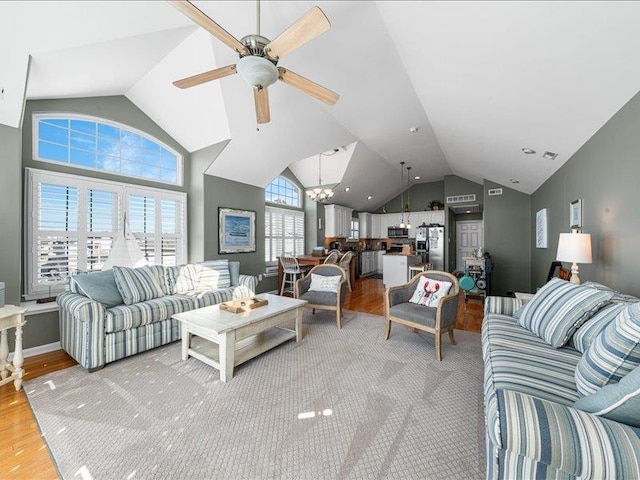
(480, 80)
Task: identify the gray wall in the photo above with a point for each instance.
(604, 173)
(418, 196)
(220, 192)
(507, 237)
(10, 213)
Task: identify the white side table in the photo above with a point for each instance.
(11, 317)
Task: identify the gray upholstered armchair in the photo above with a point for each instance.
(436, 320)
(324, 300)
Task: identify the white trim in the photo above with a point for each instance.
(33, 308)
(39, 350)
(35, 137)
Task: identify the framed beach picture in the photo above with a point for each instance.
(237, 230)
(575, 214)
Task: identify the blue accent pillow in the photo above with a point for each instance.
(617, 401)
(613, 354)
(98, 286)
(559, 308)
(234, 272)
(590, 330)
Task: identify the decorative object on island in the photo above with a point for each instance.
(125, 251)
(436, 205)
(237, 231)
(321, 193)
(576, 248)
(575, 215)
(541, 228)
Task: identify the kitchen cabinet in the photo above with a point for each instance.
(337, 221)
(368, 260)
(429, 217)
(365, 225)
(376, 226)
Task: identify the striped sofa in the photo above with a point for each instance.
(95, 334)
(532, 428)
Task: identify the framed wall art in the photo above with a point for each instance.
(541, 228)
(236, 230)
(575, 214)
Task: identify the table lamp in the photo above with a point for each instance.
(575, 248)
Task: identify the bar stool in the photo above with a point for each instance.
(290, 272)
(417, 268)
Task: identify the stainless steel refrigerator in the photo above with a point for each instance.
(435, 247)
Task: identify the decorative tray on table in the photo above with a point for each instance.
(243, 304)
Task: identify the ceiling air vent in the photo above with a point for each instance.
(462, 198)
(495, 191)
(550, 155)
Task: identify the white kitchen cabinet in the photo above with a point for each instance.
(337, 221)
(365, 225)
(376, 226)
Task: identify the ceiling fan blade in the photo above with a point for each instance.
(261, 98)
(307, 27)
(199, 17)
(307, 86)
(205, 77)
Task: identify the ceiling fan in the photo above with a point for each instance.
(259, 56)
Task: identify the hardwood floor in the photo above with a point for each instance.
(23, 453)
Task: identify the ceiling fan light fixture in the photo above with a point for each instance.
(257, 71)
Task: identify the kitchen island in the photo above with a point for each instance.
(395, 268)
(313, 261)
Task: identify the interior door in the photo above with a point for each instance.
(469, 236)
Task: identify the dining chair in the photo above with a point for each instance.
(332, 258)
(345, 262)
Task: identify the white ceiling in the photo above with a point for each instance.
(480, 79)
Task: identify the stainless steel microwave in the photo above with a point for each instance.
(397, 232)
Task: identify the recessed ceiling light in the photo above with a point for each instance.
(550, 155)
(369, 197)
(417, 177)
(346, 189)
(413, 129)
(528, 151)
(513, 180)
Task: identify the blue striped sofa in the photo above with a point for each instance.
(532, 428)
(95, 334)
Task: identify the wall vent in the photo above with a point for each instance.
(462, 198)
(495, 191)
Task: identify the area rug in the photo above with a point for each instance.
(340, 404)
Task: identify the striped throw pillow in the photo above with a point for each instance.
(559, 308)
(137, 284)
(613, 354)
(589, 330)
(214, 274)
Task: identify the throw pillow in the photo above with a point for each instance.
(559, 308)
(429, 291)
(234, 273)
(617, 401)
(613, 354)
(589, 330)
(617, 296)
(99, 286)
(213, 274)
(137, 284)
(182, 279)
(322, 283)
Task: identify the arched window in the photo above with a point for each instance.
(98, 144)
(283, 192)
(284, 227)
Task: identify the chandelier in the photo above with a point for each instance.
(321, 193)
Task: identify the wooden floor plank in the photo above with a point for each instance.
(23, 452)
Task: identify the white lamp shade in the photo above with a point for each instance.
(125, 252)
(574, 248)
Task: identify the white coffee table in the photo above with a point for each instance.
(234, 338)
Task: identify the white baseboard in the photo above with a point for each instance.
(40, 349)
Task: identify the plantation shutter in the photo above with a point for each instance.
(284, 233)
(102, 226)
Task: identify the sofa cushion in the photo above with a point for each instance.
(100, 287)
(613, 354)
(182, 279)
(559, 308)
(587, 333)
(137, 284)
(213, 274)
(616, 401)
(214, 297)
(320, 298)
(125, 317)
(416, 313)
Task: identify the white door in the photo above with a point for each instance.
(469, 236)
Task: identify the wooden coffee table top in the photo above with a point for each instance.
(220, 321)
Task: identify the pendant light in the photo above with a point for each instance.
(401, 195)
(408, 197)
(320, 194)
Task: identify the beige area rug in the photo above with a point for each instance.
(339, 404)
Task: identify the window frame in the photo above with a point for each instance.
(280, 205)
(35, 138)
(32, 288)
